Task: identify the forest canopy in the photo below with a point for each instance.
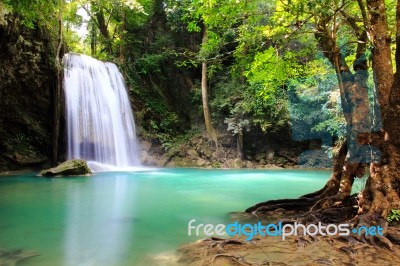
(265, 63)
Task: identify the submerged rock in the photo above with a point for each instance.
(13, 257)
(68, 168)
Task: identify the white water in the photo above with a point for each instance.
(100, 123)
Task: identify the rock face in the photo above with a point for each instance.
(68, 168)
(27, 77)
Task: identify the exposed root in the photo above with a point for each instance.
(237, 260)
(349, 239)
(393, 234)
(350, 251)
(333, 203)
(337, 215)
(381, 241)
(302, 242)
(301, 204)
(221, 242)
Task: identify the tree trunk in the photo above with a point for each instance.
(122, 45)
(382, 192)
(101, 22)
(381, 54)
(93, 41)
(239, 145)
(204, 95)
(381, 150)
(57, 90)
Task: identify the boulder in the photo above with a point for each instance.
(235, 163)
(68, 168)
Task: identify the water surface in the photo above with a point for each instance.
(116, 218)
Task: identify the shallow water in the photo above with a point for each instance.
(116, 218)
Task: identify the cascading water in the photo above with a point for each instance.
(100, 124)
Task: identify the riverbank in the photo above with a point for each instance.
(197, 151)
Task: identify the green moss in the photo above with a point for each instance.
(68, 168)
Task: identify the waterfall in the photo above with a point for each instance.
(100, 123)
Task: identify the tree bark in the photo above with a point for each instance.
(382, 192)
(122, 45)
(239, 145)
(381, 54)
(93, 41)
(57, 90)
(204, 95)
(355, 106)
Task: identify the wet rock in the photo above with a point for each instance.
(145, 145)
(13, 257)
(162, 162)
(68, 168)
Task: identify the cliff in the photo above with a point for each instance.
(27, 81)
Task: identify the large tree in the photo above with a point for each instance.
(366, 146)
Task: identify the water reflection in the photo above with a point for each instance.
(99, 221)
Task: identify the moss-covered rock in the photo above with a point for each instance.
(68, 168)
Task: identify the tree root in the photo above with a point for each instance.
(334, 204)
(239, 260)
(221, 242)
(300, 204)
(302, 242)
(393, 235)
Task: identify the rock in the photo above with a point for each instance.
(260, 156)
(146, 159)
(162, 162)
(13, 257)
(29, 157)
(235, 163)
(270, 155)
(171, 163)
(201, 162)
(192, 153)
(68, 168)
(3, 13)
(26, 93)
(272, 166)
(145, 145)
(249, 164)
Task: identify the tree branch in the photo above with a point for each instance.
(90, 15)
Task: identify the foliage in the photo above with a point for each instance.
(315, 108)
(241, 106)
(34, 13)
(393, 216)
(265, 68)
(237, 125)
